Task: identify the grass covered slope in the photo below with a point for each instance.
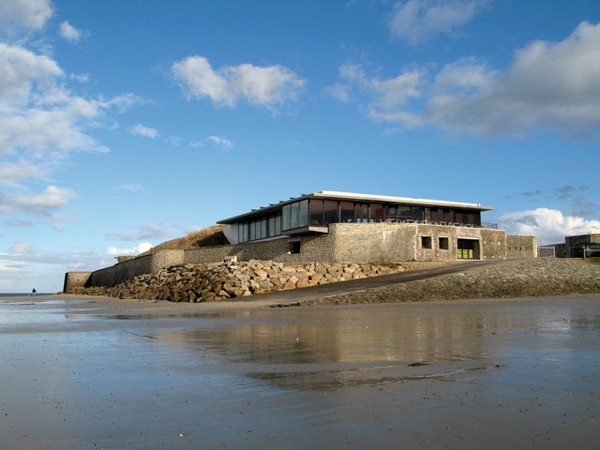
(209, 236)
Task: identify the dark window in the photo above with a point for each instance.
(417, 212)
(426, 241)
(376, 213)
(390, 212)
(347, 210)
(404, 212)
(444, 243)
(434, 215)
(361, 212)
(459, 217)
(330, 212)
(303, 213)
(315, 212)
(447, 215)
(295, 247)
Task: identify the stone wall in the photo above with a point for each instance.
(126, 270)
(345, 243)
(494, 244)
(74, 280)
(518, 246)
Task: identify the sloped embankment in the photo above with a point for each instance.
(520, 278)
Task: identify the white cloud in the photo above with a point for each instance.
(19, 69)
(421, 20)
(220, 141)
(266, 86)
(132, 187)
(383, 99)
(41, 124)
(214, 141)
(69, 32)
(24, 13)
(141, 248)
(45, 204)
(82, 77)
(7, 265)
(19, 223)
(147, 231)
(550, 86)
(22, 248)
(142, 131)
(549, 225)
(10, 173)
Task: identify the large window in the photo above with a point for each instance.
(330, 212)
(376, 212)
(285, 216)
(243, 232)
(315, 212)
(347, 212)
(361, 212)
(295, 215)
(418, 212)
(403, 212)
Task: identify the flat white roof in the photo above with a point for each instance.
(405, 200)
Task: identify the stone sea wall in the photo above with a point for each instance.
(230, 279)
(518, 278)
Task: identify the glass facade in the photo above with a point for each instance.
(320, 213)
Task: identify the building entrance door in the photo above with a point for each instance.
(468, 249)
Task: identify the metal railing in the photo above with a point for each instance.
(486, 225)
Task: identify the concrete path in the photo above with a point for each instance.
(329, 290)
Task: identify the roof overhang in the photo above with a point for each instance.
(351, 196)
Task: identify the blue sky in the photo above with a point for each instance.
(127, 123)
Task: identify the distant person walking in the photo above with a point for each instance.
(33, 292)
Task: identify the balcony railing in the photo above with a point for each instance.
(486, 225)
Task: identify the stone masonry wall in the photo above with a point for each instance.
(74, 280)
(518, 246)
(374, 242)
(494, 244)
(126, 270)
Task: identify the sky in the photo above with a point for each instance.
(127, 123)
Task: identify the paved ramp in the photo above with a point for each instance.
(345, 287)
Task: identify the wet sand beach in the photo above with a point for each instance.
(108, 373)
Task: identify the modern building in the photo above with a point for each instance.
(341, 227)
(350, 227)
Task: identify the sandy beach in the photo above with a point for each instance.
(107, 373)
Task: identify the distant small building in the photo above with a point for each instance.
(566, 249)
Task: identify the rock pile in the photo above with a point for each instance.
(219, 281)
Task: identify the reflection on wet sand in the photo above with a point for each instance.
(473, 374)
(332, 347)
